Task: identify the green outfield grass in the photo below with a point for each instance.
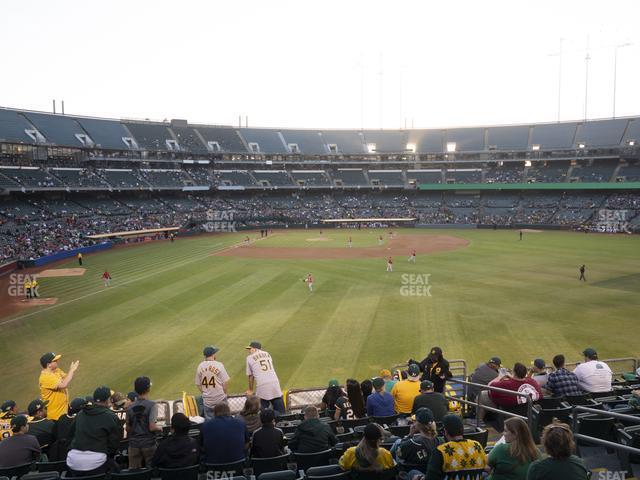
(498, 296)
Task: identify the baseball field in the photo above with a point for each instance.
(475, 293)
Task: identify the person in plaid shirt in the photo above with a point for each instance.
(562, 381)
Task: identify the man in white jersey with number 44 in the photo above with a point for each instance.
(262, 376)
(212, 380)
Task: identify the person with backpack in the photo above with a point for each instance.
(141, 425)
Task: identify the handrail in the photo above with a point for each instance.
(602, 413)
(527, 396)
(610, 360)
(486, 407)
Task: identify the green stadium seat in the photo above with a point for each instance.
(16, 471)
(309, 460)
(324, 471)
(280, 475)
(137, 474)
(41, 476)
(271, 464)
(59, 466)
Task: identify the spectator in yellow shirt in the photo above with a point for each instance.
(405, 391)
(368, 456)
(53, 384)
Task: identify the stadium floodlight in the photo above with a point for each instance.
(535, 147)
(527, 163)
(631, 143)
(411, 147)
(451, 147)
(581, 145)
(371, 147)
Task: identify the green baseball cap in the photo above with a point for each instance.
(334, 383)
(590, 353)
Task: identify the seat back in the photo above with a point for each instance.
(236, 468)
(281, 475)
(99, 476)
(400, 430)
(480, 435)
(598, 427)
(336, 476)
(464, 475)
(388, 474)
(357, 422)
(16, 471)
(550, 402)
(308, 460)
(390, 420)
(185, 473)
(41, 476)
(59, 466)
(271, 464)
(348, 434)
(138, 474)
(323, 471)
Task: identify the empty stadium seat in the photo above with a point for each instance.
(99, 476)
(389, 420)
(271, 464)
(138, 474)
(308, 460)
(480, 435)
(597, 427)
(186, 473)
(41, 476)
(280, 475)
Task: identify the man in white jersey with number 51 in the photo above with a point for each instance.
(262, 375)
(212, 380)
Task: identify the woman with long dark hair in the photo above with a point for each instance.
(354, 392)
(367, 389)
(368, 455)
(511, 460)
(333, 393)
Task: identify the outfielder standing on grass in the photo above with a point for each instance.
(212, 380)
(106, 277)
(412, 258)
(261, 374)
(309, 282)
(389, 264)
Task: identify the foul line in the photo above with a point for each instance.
(150, 274)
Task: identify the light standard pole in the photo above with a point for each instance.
(615, 73)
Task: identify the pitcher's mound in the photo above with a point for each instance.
(37, 302)
(61, 272)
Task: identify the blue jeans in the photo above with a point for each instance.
(277, 403)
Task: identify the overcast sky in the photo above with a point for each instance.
(331, 64)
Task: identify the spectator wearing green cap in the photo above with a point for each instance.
(593, 375)
(456, 454)
(405, 391)
(20, 447)
(96, 436)
(380, 403)
(416, 448)
(333, 393)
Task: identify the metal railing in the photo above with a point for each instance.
(527, 396)
(613, 364)
(624, 461)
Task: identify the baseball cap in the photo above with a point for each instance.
(133, 396)
(378, 383)
(141, 385)
(102, 394)
(76, 405)
(435, 352)
(208, 351)
(413, 370)
(590, 353)
(539, 363)
(424, 415)
(426, 385)
(334, 383)
(36, 405)
(495, 361)
(49, 357)
(453, 424)
(118, 399)
(254, 344)
(385, 372)
(8, 405)
(19, 421)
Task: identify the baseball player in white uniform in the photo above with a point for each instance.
(211, 380)
(262, 375)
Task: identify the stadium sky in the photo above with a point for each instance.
(330, 63)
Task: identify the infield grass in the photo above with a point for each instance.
(498, 296)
